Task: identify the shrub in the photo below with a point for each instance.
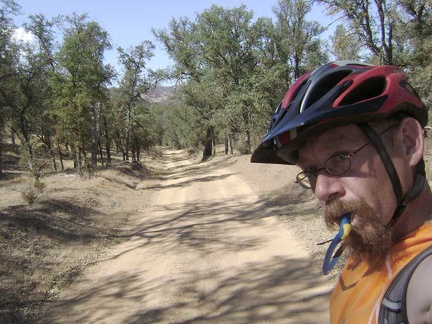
(33, 192)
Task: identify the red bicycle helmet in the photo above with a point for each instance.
(335, 94)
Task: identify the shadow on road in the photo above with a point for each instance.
(278, 289)
(281, 291)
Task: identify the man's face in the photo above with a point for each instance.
(364, 190)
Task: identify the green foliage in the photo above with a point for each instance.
(395, 32)
(346, 45)
(417, 28)
(179, 124)
(79, 85)
(297, 38)
(133, 121)
(236, 67)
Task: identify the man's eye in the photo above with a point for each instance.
(341, 156)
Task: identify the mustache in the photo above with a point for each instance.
(370, 239)
(336, 208)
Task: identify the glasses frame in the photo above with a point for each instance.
(346, 155)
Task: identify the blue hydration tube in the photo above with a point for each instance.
(331, 259)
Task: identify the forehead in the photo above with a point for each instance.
(343, 137)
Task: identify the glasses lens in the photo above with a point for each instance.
(305, 179)
(338, 164)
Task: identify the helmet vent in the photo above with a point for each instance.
(323, 86)
(368, 89)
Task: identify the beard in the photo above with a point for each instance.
(369, 240)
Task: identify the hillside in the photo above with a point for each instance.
(160, 94)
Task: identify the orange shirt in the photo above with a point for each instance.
(357, 296)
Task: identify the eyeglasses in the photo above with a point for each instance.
(336, 165)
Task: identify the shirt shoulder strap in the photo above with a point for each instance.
(393, 305)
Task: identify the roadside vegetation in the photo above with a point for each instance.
(76, 134)
(46, 244)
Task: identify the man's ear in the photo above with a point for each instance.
(413, 140)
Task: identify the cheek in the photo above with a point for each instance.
(375, 189)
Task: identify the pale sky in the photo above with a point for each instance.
(129, 22)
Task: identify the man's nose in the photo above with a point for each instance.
(328, 187)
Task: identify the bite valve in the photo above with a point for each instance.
(331, 259)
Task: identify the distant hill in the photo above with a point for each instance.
(160, 94)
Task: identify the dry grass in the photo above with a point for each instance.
(44, 246)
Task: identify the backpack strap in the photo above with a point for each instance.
(393, 306)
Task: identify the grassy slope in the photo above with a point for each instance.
(43, 247)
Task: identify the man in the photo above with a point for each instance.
(356, 131)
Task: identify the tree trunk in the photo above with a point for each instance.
(2, 133)
(247, 125)
(137, 149)
(1, 153)
(248, 143)
(133, 153)
(101, 153)
(95, 134)
(53, 159)
(138, 152)
(47, 140)
(60, 155)
(128, 139)
(126, 150)
(107, 142)
(120, 148)
(208, 144)
(226, 146)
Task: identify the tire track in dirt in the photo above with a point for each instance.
(206, 250)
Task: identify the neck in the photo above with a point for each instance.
(416, 213)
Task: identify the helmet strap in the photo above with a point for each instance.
(391, 171)
(415, 191)
(388, 164)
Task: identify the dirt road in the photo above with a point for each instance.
(203, 249)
